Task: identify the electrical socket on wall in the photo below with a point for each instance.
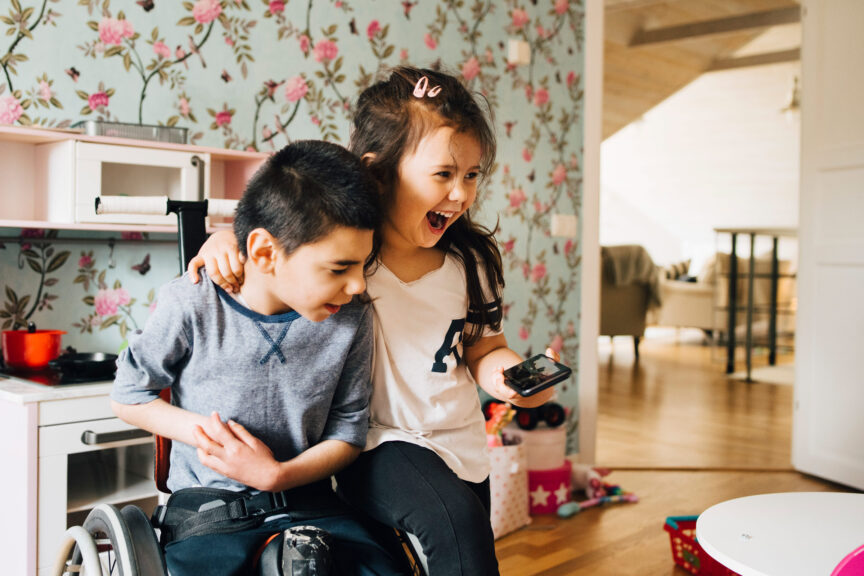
(564, 225)
(518, 52)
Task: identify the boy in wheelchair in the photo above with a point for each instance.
(269, 387)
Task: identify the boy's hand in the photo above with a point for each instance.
(229, 449)
(223, 261)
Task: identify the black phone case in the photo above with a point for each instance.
(563, 373)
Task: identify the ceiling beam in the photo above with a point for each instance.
(756, 60)
(765, 19)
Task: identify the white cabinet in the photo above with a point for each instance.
(52, 178)
(64, 452)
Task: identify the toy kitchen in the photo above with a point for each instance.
(64, 450)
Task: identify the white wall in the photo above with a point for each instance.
(718, 153)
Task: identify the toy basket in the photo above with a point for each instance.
(687, 552)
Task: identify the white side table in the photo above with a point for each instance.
(788, 534)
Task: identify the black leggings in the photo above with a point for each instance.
(411, 488)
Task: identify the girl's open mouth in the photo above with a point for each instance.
(437, 219)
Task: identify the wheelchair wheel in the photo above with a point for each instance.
(125, 542)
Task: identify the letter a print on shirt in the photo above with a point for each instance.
(451, 341)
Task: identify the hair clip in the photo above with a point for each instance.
(422, 85)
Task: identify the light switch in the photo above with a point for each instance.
(518, 52)
(564, 225)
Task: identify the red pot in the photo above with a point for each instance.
(24, 349)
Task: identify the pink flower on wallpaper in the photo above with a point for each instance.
(561, 6)
(520, 18)
(568, 246)
(508, 245)
(490, 57)
(105, 303)
(122, 296)
(112, 31)
(97, 100)
(541, 32)
(373, 29)
(540, 206)
(315, 120)
(152, 306)
(304, 43)
(95, 321)
(571, 329)
(529, 92)
(557, 343)
(538, 272)
(524, 333)
(526, 270)
(183, 106)
(161, 50)
(45, 90)
(325, 50)
(571, 78)
(276, 6)
(10, 109)
(403, 55)
(296, 88)
(223, 118)
(85, 261)
(471, 68)
(541, 96)
(559, 175)
(205, 11)
(527, 155)
(131, 235)
(517, 197)
(430, 41)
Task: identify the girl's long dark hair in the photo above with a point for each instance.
(388, 123)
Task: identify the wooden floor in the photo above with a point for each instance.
(681, 436)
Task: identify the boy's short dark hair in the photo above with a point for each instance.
(305, 190)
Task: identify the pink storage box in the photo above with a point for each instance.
(548, 489)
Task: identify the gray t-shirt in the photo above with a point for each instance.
(291, 382)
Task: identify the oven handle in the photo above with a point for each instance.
(90, 438)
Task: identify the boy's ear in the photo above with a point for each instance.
(261, 250)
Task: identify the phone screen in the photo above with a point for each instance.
(535, 374)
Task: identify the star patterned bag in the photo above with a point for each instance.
(508, 484)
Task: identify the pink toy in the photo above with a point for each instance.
(851, 565)
(549, 488)
(590, 479)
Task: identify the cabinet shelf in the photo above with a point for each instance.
(90, 227)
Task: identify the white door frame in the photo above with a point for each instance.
(589, 324)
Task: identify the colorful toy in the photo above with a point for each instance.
(528, 418)
(497, 418)
(590, 479)
(572, 508)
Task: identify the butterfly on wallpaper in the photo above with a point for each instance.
(353, 26)
(73, 73)
(225, 76)
(407, 6)
(147, 5)
(144, 266)
(271, 86)
(508, 126)
(558, 76)
(531, 176)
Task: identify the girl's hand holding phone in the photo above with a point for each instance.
(223, 261)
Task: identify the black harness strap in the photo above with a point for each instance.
(197, 511)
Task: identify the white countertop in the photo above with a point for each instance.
(20, 391)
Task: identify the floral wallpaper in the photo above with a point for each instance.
(256, 74)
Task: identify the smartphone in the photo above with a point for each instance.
(535, 374)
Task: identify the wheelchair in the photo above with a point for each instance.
(124, 542)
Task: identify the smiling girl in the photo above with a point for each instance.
(436, 291)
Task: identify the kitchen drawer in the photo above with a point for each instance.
(87, 436)
(68, 410)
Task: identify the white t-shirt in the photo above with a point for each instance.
(422, 390)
